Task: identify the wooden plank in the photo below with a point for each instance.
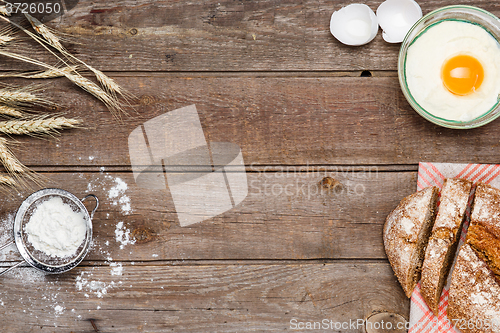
(265, 35)
(275, 121)
(222, 298)
(286, 215)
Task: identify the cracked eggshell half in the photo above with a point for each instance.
(396, 17)
(355, 24)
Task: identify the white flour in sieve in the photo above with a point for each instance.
(56, 229)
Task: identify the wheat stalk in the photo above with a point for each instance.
(42, 125)
(10, 111)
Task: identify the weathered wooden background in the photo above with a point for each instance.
(268, 76)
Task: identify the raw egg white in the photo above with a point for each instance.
(453, 70)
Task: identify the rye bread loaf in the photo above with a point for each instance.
(406, 233)
(443, 242)
(474, 297)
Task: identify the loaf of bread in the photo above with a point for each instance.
(443, 242)
(406, 234)
(474, 296)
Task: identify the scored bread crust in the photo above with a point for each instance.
(474, 296)
(406, 233)
(443, 242)
(484, 232)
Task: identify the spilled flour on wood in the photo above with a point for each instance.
(90, 287)
(122, 236)
(117, 268)
(117, 195)
(115, 188)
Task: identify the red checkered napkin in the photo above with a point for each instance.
(433, 174)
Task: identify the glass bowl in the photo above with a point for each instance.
(452, 13)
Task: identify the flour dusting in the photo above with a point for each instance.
(117, 268)
(58, 309)
(122, 235)
(115, 188)
(92, 287)
(117, 195)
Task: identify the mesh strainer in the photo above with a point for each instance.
(36, 258)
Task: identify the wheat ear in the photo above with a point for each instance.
(6, 35)
(7, 181)
(45, 32)
(112, 104)
(4, 11)
(10, 111)
(15, 168)
(50, 73)
(48, 126)
(108, 83)
(14, 96)
(5, 39)
(9, 161)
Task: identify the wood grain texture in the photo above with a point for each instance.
(275, 121)
(286, 215)
(264, 35)
(221, 298)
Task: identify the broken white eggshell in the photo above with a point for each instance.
(396, 17)
(355, 24)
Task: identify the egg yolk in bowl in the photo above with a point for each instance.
(462, 74)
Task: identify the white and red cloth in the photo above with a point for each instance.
(422, 320)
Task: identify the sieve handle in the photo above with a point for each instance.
(96, 204)
(13, 266)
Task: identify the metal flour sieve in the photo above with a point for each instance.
(36, 258)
